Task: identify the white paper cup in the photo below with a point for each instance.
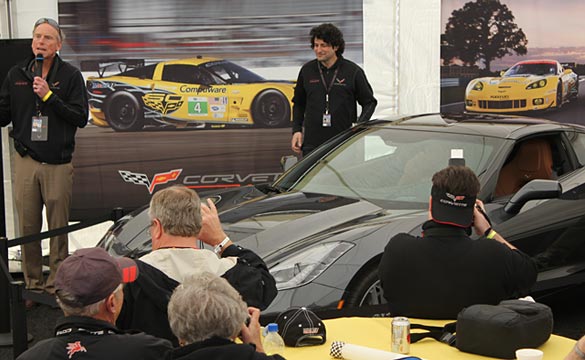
(529, 354)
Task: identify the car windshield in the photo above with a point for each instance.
(532, 69)
(232, 73)
(385, 165)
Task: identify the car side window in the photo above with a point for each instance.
(187, 74)
(534, 158)
(578, 141)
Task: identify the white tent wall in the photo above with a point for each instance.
(401, 54)
(23, 14)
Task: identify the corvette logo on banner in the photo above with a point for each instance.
(142, 179)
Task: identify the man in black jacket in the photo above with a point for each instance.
(438, 274)
(46, 101)
(178, 219)
(326, 92)
(88, 286)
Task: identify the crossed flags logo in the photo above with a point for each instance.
(73, 348)
(142, 179)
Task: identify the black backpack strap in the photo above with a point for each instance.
(443, 334)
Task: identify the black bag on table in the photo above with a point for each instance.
(494, 330)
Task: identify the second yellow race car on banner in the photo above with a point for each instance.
(197, 92)
(528, 85)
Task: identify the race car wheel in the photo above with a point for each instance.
(575, 93)
(559, 99)
(271, 108)
(124, 112)
(367, 290)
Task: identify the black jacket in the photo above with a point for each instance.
(86, 338)
(350, 85)
(217, 348)
(66, 109)
(146, 299)
(435, 276)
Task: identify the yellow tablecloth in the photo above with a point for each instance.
(375, 333)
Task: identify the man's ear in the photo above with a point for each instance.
(111, 303)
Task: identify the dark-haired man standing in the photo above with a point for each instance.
(324, 102)
(436, 275)
(45, 99)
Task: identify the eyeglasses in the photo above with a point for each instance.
(51, 22)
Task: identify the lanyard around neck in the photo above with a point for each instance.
(327, 88)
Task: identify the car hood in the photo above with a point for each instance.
(521, 80)
(276, 225)
(273, 225)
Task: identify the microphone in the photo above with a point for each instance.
(39, 65)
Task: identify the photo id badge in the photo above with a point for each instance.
(40, 128)
(326, 120)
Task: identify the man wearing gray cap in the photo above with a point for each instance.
(89, 287)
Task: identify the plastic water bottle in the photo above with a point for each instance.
(273, 343)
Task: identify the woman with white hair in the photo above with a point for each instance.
(207, 314)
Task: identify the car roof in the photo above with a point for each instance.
(543, 61)
(193, 61)
(501, 126)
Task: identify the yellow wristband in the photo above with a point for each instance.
(492, 234)
(47, 96)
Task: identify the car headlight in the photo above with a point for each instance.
(478, 86)
(303, 267)
(537, 84)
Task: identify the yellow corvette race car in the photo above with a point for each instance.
(198, 92)
(528, 85)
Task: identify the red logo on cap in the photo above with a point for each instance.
(455, 197)
(75, 347)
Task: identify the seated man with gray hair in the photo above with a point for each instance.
(88, 286)
(207, 315)
(178, 220)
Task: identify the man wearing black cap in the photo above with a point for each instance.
(439, 273)
(45, 100)
(89, 287)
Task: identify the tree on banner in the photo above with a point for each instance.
(482, 30)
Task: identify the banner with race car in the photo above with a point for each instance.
(511, 56)
(194, 93)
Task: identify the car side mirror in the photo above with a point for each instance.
(534, 190)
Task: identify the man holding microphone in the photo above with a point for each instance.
(45, 99)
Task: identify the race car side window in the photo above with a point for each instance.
(186, 74)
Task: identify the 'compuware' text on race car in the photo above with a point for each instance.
(528, 85)
(195, 92)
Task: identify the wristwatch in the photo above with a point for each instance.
(219, 247)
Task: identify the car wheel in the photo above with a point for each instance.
(559, 100)
(124, 112)
(271, 108)
(575, 93)
(367, 290)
